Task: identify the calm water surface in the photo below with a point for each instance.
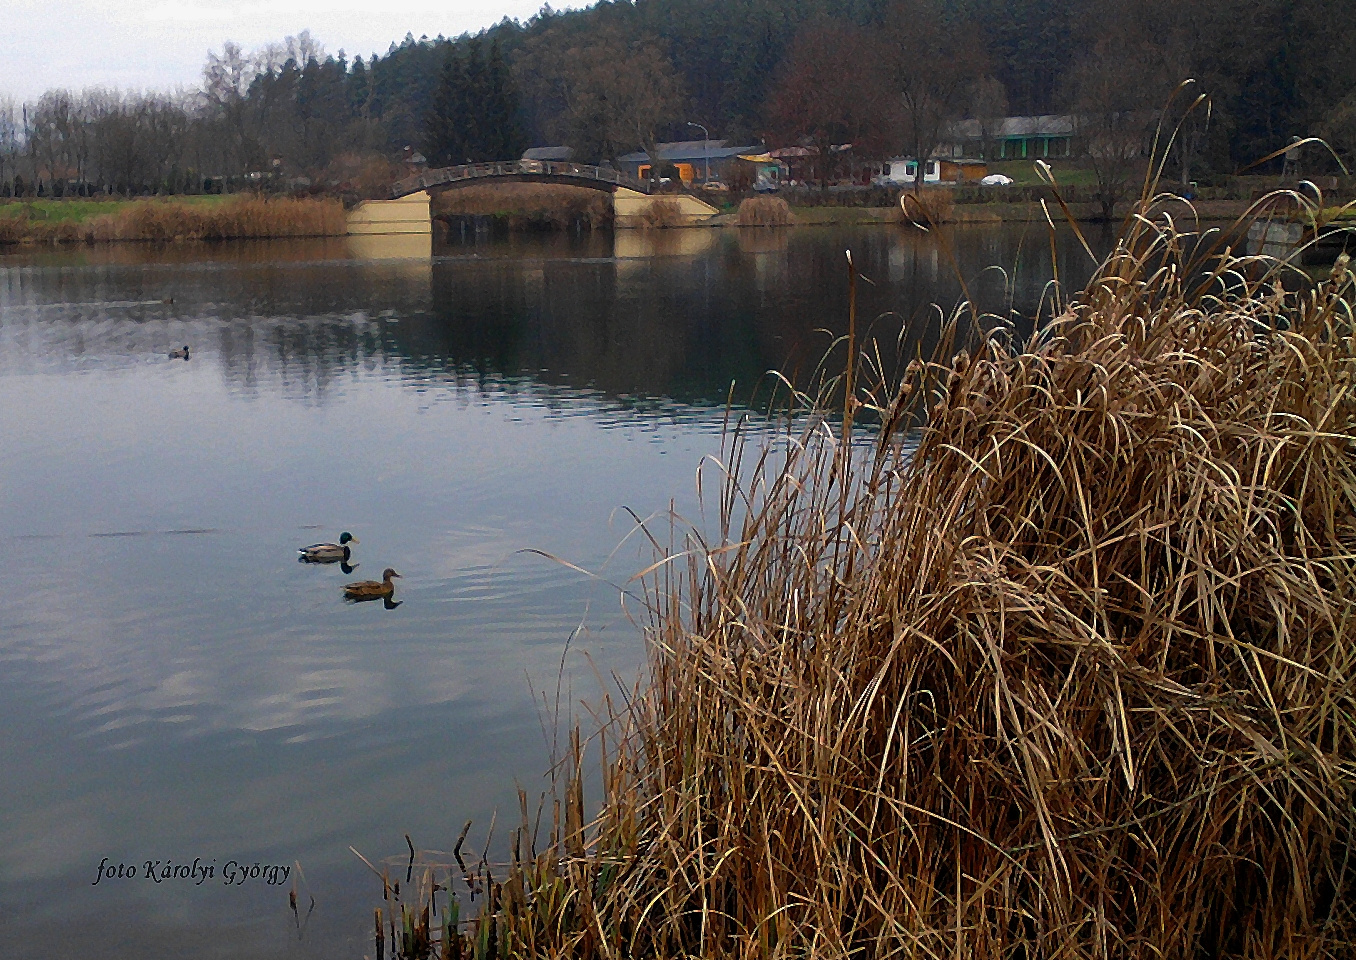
(174, 685)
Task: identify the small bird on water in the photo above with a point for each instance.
(328, 552)
(372, 589)
(179, 354)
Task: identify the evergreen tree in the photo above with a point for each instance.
(444, 140)
(500, 117)
(475, 95)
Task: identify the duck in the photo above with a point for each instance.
(328, 552)
(179, 354)
(372, 589)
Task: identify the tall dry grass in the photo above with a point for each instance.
(240, 218)
(927, 207)
(1065, 672)
(243, 218)
(528, 205)
(765, 212)
(661, 214)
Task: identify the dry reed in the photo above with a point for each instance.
(1069, 678)
(662, 213)
(927, 207)
(531, 205)
(765, 212)
(239, 218)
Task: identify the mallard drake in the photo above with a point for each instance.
(372, 589)
(179, 354)
(328, 552)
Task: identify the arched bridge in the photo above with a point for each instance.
(521, 171)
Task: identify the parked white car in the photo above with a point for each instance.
(997, 180)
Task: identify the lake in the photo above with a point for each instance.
(178, 692)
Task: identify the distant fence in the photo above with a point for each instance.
(532, 170)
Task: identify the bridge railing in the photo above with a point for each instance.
(511, 168)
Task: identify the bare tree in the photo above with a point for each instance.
(11, 143)
(989, 107)
(226, 84)
(613, 93)
(1340, 129)
(830, 93)
(53, 129)
(1114, 119)
(933, 63)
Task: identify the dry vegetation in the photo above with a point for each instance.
(662, 213)
(530, 205)
(765, 212)
(927, 206)
(240, 218)
(1070, 678)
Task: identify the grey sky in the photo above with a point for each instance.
(162, 44)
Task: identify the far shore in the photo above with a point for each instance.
(246, 216)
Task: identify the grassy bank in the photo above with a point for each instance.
(181, 218)
(997, 212)
(1060, 666)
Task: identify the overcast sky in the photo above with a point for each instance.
(162, 44)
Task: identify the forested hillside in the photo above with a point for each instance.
(619, 75)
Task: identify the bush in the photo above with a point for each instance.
(765, 212)
(662, 213)
(927, 207)
(535, 206)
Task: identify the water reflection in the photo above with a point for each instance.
(412, 247)
(675, 315)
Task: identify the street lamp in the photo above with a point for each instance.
(706, 152)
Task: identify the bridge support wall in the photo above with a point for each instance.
(629, 208)
(408, 215)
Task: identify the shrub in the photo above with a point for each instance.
(537, 205)
(662, 213)
(765, 212)
(927, 207)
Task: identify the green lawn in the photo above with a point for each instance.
(78, 210)
(1024, 172)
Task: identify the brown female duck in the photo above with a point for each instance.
(372, 589)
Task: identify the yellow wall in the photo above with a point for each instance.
(629, 205)
(406, 215)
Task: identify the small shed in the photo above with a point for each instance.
(963, 171)
(905, 170)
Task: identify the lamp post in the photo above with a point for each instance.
(706, 152)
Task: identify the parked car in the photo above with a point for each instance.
(997, 180)
(764, 185)
(715, 186)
